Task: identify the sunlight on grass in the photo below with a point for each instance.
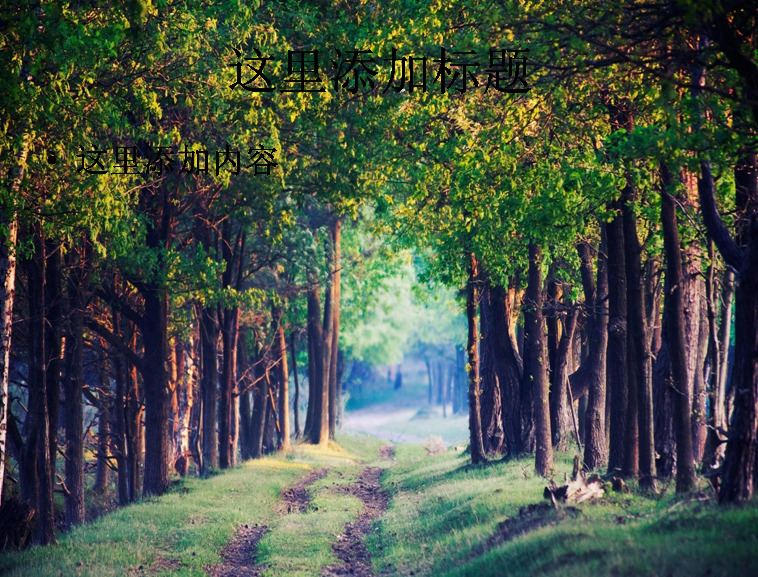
(444, 512)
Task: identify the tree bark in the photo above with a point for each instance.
(493, 435)
(209, 332)
(596, 299)
(685, 470)
(9, 223)
(102, 470)
(53, 342)
(475, 424)
(120, 408)
(535, 371)
(715, 443)
(617, 352)
(156, 382)
(319, 399)
(638, 345)
(37, 470)
(334, 384)
(283, 399)
(296, 402)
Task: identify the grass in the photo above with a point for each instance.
(447, 510)
(184, 531)
(442, 516)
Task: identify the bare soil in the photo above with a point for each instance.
(296, 498)
(350, 548)
(240, 555)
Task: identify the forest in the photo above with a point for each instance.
(222, 223)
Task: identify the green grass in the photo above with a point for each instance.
(442, 514)
(444, 510)
(193, 523)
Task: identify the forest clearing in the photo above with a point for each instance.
(378, 287)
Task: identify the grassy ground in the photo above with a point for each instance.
(184, 531)
(444, 513)
(441, 521)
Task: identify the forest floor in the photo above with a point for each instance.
(364, 508)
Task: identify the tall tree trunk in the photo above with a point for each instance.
(334, 383)
(102, 471)
(535, 362)
(244, 397)
(53, 342)
(738, 478)
(73, 393)
(493, 435)
(638, 344)
(134, 430)
(120, 407)
(320, 335)
(508, 364)
(556, 322)
(296, 403)
(714, 454)
(596, 299)
(229, 329)
(260, 403)
(37, 470)
(283, 403)
(209, 332)
(685, 471)
(8, 238)
(474, 422)
(156, 382)
(617, 352)
(233, 258)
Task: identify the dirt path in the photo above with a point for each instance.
(350, 548)
(240, 556)
(296, 498)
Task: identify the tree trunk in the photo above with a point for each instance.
(714, 453)
(617, 352)
(156, 382)
(37, 470)
(560, 410)
(209, 332)
(493, 435)
(120, 407)
(73, 394)
(321, 337)
(283, 398)
(638, 344)
(8, 238)
(685, 471)
(102, 471)
(738, 482)
(134, 429)
(596, 299)
(229, 329)
(296, 403)
(334, 393)
(535, 362)
(260, 402)
(474, 421)
(53, 342)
